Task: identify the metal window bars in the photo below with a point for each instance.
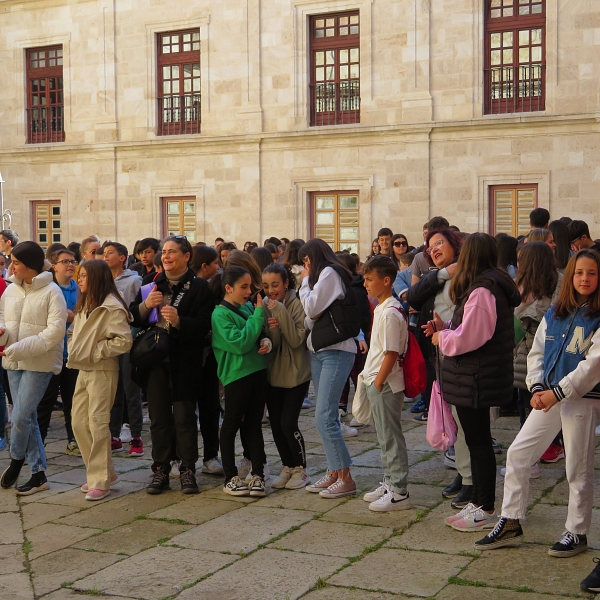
(335, 103)
(179, 115)
(45, 124)
(515, 89)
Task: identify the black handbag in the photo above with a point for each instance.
(150, 347)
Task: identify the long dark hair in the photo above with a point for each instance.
(562, 239)
(100, 284)
(262, 256)
(283, 271)
(567, 302)
(397, 236)
(202, 255)
(478, 254)
(507, 250)
(290, 258)
(537, 276)
(321, 256)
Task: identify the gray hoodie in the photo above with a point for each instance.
(128, 284)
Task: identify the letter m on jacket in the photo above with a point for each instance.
(579, 344)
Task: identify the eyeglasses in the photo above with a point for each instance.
(435, 246)
(398, 244)
(66, 262)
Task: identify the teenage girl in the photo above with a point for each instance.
(288, 372)
(239, 346)
(563, 374)
(99, 334)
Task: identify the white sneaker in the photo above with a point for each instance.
(476, 520)
(308, 403)
(347, 431)
(597, 429)
(391, 501)
(463, 513)
(244, 468)
(213, 466)
(198, 425)
(378, 493)
(146, 420)
(174, 473)
(355, 423)
(285, 475)
(343, 412)
(125, 434)
(299, 479)
(266, 472)
(533, 474)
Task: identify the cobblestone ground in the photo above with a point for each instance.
(291, 544)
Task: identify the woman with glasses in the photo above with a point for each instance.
(63, 268)
(183, 305)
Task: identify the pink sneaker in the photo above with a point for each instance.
(476, 520)
(463, 513)
(85, 488)
(94, 494)
(339, 489)
(328, 479)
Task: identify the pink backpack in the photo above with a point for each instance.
(441, 426)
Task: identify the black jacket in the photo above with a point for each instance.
(360, 293)
(421, 297)
(186, 341)
(484, 377)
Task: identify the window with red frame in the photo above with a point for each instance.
(335, 69)
(45, 98)
(515, 67)
(179, 82)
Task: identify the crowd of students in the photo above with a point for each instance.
(495, 319)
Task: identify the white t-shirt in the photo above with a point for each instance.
(388, 334)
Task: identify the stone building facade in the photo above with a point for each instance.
(297, 117)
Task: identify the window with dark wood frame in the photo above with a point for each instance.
(179, 82)
(47, 222)
(510, 206)
(179, 217)
(335, 69)
(334, 219)
(515, 56)
(45, 97)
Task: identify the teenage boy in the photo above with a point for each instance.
(581, 238)
(128, 284)
(384, 239)
(146, 250)
(8, 240)
(384, 382)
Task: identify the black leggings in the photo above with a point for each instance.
(209, 408)
(476, 425)
(244, 402)
(284, 406)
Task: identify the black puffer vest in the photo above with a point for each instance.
(484, 377)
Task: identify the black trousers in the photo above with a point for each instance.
(284, 406)
(478, 436)
(64, 382)
(244, 402)
(209, 407)
(172, 422)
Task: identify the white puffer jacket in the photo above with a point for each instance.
(34, 324)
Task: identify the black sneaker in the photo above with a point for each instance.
(160, 482)
(10, 476)
(569, 545)
(454, 488)
(465, 496)
(188, 481)
(422, 418)
(257, 486)
(37, 483)
(507, 532)
(592, 582)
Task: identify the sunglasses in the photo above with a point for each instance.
(398, 244)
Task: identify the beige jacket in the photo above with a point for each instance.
(34, 324)
(95, 342)
(288, 365)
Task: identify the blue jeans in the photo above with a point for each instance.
(330, 370)
(27, 389)
(2, 406)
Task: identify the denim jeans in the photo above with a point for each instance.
(2, 406)
(27, 388)
(330, 370)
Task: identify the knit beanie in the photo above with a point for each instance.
(30, 254)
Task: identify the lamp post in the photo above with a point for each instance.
(5, 215)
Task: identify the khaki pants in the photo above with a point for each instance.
(92, 402)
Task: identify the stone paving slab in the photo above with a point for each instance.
(241, 531)
(70, 564)
(8, 501)
(156, 573)
(196, 510)
(462, 592)
(401, 572)
(16, 587)
(338, 593)
(333, 539)
(73, 595)
(530, 565)
(300, 500)
(55, 488)
(283, 576)
(50, 537)
(37, 513)
(75, 476)
(12, 559)
(432, 471)
(74, 496)
(10, 528)
(118, 511)
(132, 538)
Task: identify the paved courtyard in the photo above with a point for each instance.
(291, 544)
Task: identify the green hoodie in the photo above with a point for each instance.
(236, 342)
